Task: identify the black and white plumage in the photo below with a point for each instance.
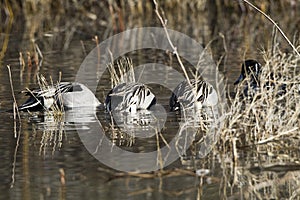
(129, 97)
(251, 70)
(66, 94)
(197, 94)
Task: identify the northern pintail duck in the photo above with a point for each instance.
(129, 97)
(197, 93)
(66, 94)
(251, 70)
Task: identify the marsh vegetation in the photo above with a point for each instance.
(256, 154)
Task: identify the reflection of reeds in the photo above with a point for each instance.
(52, 137)
(119, 137)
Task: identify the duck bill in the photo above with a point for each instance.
(239, 79)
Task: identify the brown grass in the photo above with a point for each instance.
(268, 116)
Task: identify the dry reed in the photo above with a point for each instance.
(273, 112)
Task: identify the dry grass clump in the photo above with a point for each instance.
(121, 71)
(57, 109)
(261, 134)
(272, 113)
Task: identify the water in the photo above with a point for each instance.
(45, 157)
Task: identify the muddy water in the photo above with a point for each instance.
(44, 157)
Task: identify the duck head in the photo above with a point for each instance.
(250, 68)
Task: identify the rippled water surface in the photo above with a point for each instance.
(46, 157)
